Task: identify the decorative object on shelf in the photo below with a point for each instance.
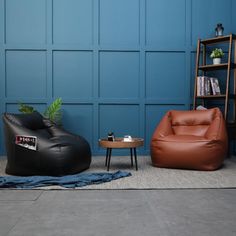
(219, 30)
(216, 55)
(52, 112)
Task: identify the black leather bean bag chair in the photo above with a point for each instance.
(57, 153)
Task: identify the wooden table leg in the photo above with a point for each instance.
(131, 156)
(109, 158)
(135, 158)
(106, 157)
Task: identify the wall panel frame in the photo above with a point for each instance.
(117, 64)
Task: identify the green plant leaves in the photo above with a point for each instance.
(217, 53)
(26, 108)
(53, 111)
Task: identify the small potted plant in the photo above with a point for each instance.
(216, 55)
(53, 111)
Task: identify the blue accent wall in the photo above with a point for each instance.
(117, 64)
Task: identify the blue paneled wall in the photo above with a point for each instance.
(117, 64)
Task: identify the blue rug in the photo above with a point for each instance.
(68, 181)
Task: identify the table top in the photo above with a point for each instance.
(120, 143)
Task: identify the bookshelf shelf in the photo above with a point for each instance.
(200, 92)
(222, 39)
(221, 66)
(212, 96)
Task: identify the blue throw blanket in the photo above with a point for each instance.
(68, 181)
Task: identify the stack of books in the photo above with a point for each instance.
(207, 86)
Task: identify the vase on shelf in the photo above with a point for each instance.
(219, 30)
(216, 61)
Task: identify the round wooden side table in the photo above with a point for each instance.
(119, 143)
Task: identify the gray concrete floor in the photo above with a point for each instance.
(118, 212)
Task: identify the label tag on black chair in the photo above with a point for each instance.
(26, 141)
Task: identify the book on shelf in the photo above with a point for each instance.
(215, 86)
(207, 86)
(201, 86)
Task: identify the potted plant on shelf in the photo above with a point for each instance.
(216, 55)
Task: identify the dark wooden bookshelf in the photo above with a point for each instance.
(203, 47)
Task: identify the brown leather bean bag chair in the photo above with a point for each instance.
(190, 140)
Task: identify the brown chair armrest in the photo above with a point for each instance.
(164, 128)
(217, 129)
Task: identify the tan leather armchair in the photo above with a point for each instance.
(190, 140)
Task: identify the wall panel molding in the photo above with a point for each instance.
(73, 22)
(25, 21)
(165, 22)
(113, 30)
(25, 74)
(117, 64)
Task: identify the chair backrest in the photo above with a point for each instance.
(33, 121)
(194, 122)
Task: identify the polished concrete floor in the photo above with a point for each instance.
(118, 212)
